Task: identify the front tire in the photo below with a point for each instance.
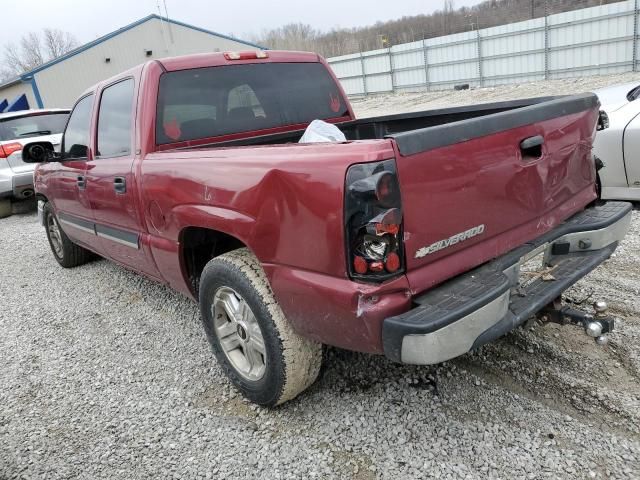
(66, 253)
(252, 340)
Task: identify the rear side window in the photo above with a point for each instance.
(213, 101)
(114, 120)
(32, 126)
(76, 136)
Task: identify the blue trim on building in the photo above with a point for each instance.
(34, 86)
(104, 38)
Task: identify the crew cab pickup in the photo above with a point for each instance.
(404, 240)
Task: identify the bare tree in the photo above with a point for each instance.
(35, 49)
(57, 42)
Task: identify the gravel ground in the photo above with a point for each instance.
(109, 375)
(386, 104)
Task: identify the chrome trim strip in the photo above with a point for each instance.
(121, 241)
(71, 223)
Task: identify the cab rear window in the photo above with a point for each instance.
(214, 101)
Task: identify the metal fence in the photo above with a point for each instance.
(591, 41)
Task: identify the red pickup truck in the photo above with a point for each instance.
(405, 240)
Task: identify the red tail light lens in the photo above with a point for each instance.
(9, 148)
(245, 55)
(373, 218)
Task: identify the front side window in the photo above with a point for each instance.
(114, 120)
(33, 126)
(76, 136)
(213, 101)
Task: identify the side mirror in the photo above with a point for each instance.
(38, 152)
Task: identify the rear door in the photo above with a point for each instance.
(484, 186)
(67, 182)
(111, 180)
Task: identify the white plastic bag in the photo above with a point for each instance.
(320, 131)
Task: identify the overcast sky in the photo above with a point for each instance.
(90, 19)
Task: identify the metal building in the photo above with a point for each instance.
(59, 82)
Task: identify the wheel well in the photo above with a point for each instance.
(198, 246)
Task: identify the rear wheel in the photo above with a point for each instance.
(67, 253)
(255, 344)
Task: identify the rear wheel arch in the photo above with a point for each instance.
(199, 245)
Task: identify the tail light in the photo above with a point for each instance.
(9, 148)
(373, 218)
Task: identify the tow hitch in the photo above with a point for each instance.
(596, 326)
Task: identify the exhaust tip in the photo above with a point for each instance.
(27, 193)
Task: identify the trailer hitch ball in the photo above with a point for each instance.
(593, 329)
(600, 307)
(602, 340)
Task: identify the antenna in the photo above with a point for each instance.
(166, 14)
(164, 39)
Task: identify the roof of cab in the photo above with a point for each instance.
(214, 59)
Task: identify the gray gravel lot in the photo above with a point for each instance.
(108, 375)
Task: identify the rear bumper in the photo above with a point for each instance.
(485, 303)
(12, 184)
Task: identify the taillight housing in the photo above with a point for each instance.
(373, 222)
(9, 148)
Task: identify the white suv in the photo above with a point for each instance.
(17, 129)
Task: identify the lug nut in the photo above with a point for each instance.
(593, 329)
(602, 340)
(600, 306)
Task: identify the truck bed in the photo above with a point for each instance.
(415, 131)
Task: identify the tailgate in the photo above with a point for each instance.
(475, 189)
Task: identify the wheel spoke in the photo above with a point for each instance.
(226, 329)
(257, 344)
(254, 358)
(229, 304)
(230, 342)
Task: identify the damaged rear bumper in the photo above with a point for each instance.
(485, 303)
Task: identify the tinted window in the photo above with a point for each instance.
(76, 136)
(114, 120)
(32, 126)
(208, 102)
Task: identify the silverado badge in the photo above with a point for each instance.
(448, 242)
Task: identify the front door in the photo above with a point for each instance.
(67, 181)
(111, 181)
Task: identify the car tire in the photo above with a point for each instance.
(67, 253)
(252, 340)
(5, 207)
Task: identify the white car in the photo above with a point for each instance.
(618, 146)
(17, 129)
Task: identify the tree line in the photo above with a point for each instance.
(445, 21)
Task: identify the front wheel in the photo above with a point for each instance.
(66, 253)
(252, 340)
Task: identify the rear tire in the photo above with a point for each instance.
(5, 207)
(67, 253)
(251, 338)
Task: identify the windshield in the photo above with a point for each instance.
(208, 102)
(32, 126)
